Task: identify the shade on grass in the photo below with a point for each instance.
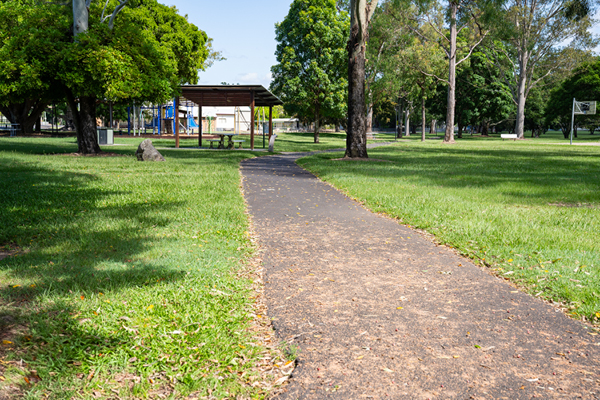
(530, 211)
(128, 279)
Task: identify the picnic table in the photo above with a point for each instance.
(12, 128)
(230, 144)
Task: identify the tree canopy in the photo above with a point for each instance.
(148, 52)
(310, 76)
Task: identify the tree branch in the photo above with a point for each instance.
(434, 76)
(470, 51)
(118, 8)
(103, 10)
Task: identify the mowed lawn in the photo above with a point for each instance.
(285, 141)
(529, 210)
(130, 279)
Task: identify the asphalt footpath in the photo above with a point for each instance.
(375, 310)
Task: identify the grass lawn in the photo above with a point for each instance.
(527, 209)
(549, 137)
(285, 142)
(131, 277)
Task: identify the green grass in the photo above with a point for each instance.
(549, 137)
(527, 209)
(285, 142)
(130, 279)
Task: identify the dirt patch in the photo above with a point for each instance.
(360, 159)
(574, 205)
(8, 250)
(102, 154)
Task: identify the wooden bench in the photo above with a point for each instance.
(238, 141)
(512, 136)
(213, 141)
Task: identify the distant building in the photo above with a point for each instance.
(286, 125)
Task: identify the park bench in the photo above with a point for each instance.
(512, 136)
(237, 141)
(213, 141)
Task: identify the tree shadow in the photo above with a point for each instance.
(542, 176)
(76, 244)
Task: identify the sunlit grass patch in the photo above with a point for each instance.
(131, 278)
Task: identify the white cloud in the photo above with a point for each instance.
(253, 78)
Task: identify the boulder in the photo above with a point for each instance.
(147, 152)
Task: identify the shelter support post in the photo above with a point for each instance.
(252, 120)
(176, 119)
(270, 122)
(199, 125)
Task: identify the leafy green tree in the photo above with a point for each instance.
(148, 52)
(532, 30)
(143, 55)
(31, 39)
(310, 76)
(584, 84)
(457, 27)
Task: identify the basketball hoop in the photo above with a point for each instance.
(581, 108)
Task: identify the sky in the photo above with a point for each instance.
(243, 31)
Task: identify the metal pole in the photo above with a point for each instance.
(252, 120)
(200, 124)
(572, 121)
(176, 120)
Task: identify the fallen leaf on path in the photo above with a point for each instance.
(387, 370)
(532, 380)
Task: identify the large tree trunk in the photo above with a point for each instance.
(317, 126)
(26, 114)
(424, 121)
(38, 124)
(449, 137)
(356, 136)
(520, 123)
(85, 124)
(432, 128)
(407, 124)
(400, 123)
(80, 17)
(370, 117)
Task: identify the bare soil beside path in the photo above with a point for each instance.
(378, 311)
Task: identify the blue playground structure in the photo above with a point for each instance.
(160, 118)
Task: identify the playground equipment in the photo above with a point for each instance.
(160, 118)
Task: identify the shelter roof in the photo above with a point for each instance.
(229, 95)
